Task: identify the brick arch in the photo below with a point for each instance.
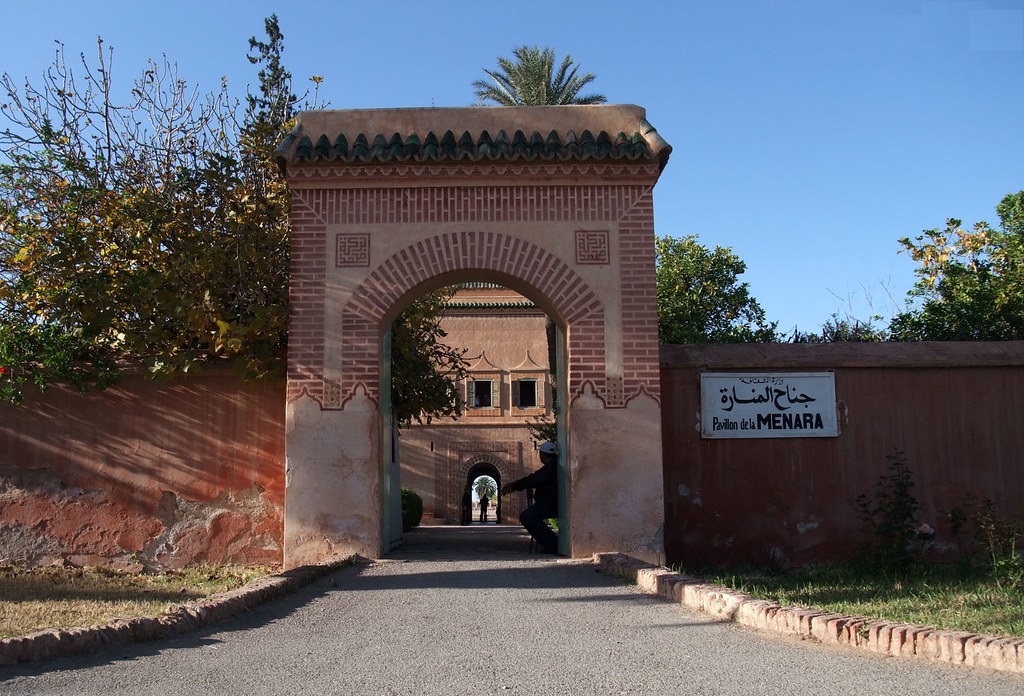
(486, 251)
(495, 462)
(504, 255)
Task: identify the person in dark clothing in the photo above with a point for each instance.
(467, 506)
(544, 481)
(484, 502)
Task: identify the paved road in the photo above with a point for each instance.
(468, 611)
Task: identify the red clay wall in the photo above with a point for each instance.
(171, 474)
(157, 473)
(954, 409)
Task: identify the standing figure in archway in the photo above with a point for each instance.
(484, 502)
(544, 481)
(467, 506)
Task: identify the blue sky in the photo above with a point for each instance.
(808, 135)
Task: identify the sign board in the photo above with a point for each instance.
(749, 405)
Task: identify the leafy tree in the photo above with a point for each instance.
(61, 356)
(970, 283)
(531, 80)
(700, 299)
(275, 102)
(155, 231)
(541, 428)
(270, 111)
(131, 231)
(424, 370)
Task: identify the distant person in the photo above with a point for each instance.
(544, 481)
(467, 507)
(484, 502)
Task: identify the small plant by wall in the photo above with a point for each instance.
(412, 509)
(890, 515)
(991, 543)
(899, 539)
(999, 536)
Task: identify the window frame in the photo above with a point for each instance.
(494, 408)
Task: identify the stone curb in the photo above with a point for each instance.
(886, 638)
(59, 642)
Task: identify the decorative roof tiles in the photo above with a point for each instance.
(504, 133)
(431, 148)
(485, 304)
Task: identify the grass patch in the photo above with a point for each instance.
(939, 596)
(60, 597)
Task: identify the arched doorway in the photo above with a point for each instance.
(509, 388)
(508, 394)
(385, 206)
(486, 470)
(504, 392)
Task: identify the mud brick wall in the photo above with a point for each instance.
(953, 409)
(145, 473)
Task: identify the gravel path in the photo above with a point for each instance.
(468, 611)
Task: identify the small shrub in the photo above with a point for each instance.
(997, 536)
(992, 544)
(891, 516)
(412, 509)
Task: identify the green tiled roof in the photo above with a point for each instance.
(299, 146)
(485, 304)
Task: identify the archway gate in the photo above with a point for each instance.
(554, 202)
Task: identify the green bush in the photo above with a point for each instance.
(890, 517)
(412, 509)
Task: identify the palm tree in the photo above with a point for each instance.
(530, 80)
(485, 485)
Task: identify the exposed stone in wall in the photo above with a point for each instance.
(84, 477)
(240, 527)
(45, 522)
(26, 546)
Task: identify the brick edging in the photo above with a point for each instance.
(881, 637)
(60, 642)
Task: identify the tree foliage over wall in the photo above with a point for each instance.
(970, 287)
(153, 230)
(700, 296)
(839, 329)
(970, 283)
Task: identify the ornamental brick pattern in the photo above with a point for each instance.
(352, 250)
(471, 251)
(592, 247)
(449, 479)
(470, 203)
(315, 211)
(639, 298)
(306, 304)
